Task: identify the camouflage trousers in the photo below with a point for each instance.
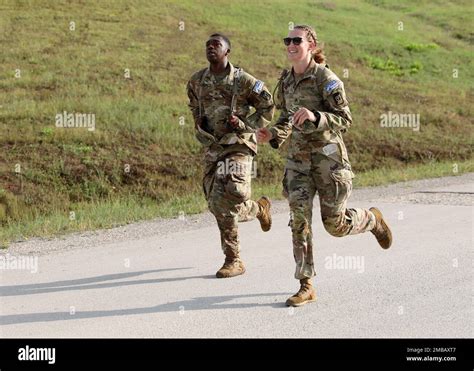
(227, 188)
(333, 183)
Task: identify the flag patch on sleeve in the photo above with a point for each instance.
(257, 88)
(331, 85)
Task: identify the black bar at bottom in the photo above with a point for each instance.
(426, 353)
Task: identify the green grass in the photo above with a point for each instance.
(433, 169)
(140, 157)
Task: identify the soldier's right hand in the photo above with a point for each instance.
(264, 135)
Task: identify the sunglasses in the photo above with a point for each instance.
(296, 40)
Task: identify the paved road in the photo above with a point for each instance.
(156, 279)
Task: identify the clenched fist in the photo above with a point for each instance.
(264, 135)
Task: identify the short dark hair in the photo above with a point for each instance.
(223, 37)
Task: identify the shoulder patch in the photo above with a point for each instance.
(331, 85)
(338, 98)
(265, 95)
(257, 88)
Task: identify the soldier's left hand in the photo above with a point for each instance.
(301, 116)
(234, 121)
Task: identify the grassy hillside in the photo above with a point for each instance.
(127, 62)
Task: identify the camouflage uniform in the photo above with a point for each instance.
(317, 160)
(229, 151)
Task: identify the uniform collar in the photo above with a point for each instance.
(229, 78)
(308, 73)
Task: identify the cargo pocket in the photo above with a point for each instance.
(342, 179)
(237, 186)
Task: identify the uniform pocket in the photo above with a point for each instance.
(342, 179)
(238, 186)
(235, 175)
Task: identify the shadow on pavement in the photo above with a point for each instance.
(88, 283)
(197, 303)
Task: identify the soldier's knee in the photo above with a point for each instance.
(334, 225)
(237, 188)
(225, 220)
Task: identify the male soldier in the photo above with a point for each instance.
(220, 99)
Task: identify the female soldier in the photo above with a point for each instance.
(315, 113)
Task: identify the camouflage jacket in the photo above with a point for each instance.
(320, 91)
(212, 98)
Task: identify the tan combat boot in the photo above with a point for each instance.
(264, 216)
(306, 294)
(232, 267)
(381, 230)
